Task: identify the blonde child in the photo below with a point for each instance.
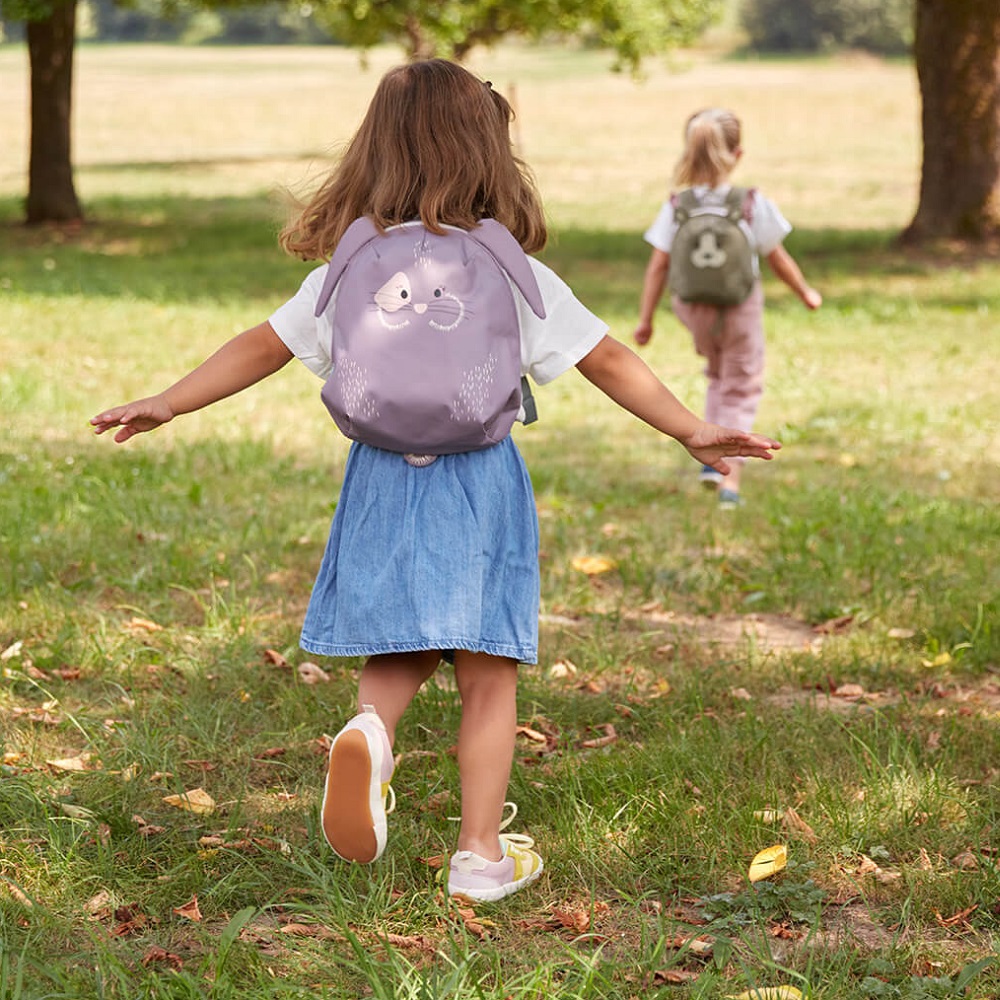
(436, 560)
(730, 339)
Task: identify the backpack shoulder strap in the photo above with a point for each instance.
(684, 203)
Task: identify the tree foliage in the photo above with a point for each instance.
(882, 26)
(633, 29)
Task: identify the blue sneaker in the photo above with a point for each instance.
(729, 500)
(709, 477)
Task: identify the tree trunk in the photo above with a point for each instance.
(957, 51)
(51, 40)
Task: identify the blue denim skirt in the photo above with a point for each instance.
(440, 557)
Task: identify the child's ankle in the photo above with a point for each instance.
(488, 848)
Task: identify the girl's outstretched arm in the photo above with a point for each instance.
(652, 290)
(784, 266)
(239, 363)
(621, 374)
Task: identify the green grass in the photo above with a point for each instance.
(141, 587)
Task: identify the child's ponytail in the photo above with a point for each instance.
(711, 148)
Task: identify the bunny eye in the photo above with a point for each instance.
(438, 292)
(394, 294)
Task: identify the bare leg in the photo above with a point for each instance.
(389, 682)
(488, 688)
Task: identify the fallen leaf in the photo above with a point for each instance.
(849, 691)
(674, 977)
(769, 815)
(275, 658)
(142, 625)
(740, 694)
(419, 941)
(901, 633)
(269, 753)
(75, 812)
(768, 862)
(20, 896)
(594, 565)
(160, 956)
(532, 734)
(313, 674)
(795, 824)
(610, 736)
(833, 625)
(769, 993)
(81, 763)
(190, 910)
(561, 669)
(958, 918)
(941, 660)
(196, 801)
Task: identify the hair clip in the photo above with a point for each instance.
(489, 84)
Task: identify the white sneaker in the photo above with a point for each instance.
(357, 789)
(475, 878)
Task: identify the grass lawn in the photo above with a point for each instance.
(819, 670)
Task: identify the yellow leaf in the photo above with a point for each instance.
(941, 660)
(768, 862)
(196, 801)
(769, 993)
(593, 565)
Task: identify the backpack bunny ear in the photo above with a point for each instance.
(497, 239)
(358, 233)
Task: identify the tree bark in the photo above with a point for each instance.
(51, 41)
(957, 52)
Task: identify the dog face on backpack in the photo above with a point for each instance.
(708, 253)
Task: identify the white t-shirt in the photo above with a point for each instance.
(549, 346)
(768, 227)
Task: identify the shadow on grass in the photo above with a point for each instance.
(182, 249)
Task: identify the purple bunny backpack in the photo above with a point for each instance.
(426, 341)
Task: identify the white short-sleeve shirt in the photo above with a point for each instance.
(549, 346)
(768, 227)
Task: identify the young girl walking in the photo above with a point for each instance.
(729, 338)
(432, 558)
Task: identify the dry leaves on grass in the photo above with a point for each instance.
(196, 801)
(768, 862)
(190, 910)
(160, 956)
(594, 565)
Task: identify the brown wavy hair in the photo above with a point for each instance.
(711, 148)
(435, 145)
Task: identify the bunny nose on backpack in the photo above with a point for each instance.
(420, 308)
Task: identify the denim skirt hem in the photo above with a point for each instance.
(523, 654)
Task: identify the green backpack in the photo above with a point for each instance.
(712, 260)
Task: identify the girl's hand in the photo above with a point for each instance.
(134, 418)
(643, 334)
(710, 444)
(812, 298)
